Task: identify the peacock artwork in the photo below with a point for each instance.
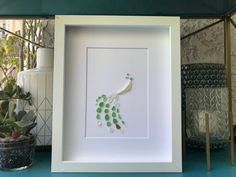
(108, 111)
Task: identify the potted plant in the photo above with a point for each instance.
(16, 141)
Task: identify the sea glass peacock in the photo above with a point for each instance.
(108, 108)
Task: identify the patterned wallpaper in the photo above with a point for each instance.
(205, 46)
(48, 33)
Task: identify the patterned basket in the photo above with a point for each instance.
(213, 101)
(201, 75)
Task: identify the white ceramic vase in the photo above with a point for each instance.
(39, 82)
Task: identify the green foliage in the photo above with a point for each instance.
(14, 53)
(11, 91)
(32, 30)
(9, 56)
(14, 125)
(17, 54)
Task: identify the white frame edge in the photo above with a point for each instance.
(58, 165)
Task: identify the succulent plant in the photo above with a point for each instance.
(14, 125)
(12, 91)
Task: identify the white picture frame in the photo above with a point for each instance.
(66, 151)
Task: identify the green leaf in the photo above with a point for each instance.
(26, 126)
(26, 120)
(5, 129)
(19, 115)
(3, 95)
(8, 89)
(2, 135)
(11, 126)
(1, 120)
(4, 105)
(11, 109)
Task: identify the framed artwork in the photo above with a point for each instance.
(117, 102)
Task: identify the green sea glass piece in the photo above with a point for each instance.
(113, 114)
(118, 126)
(107, 117)
(101, 104)
(99, 110)
(109, 124)
(115, 121)
(98, 116)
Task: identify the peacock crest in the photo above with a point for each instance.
(108, 108)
